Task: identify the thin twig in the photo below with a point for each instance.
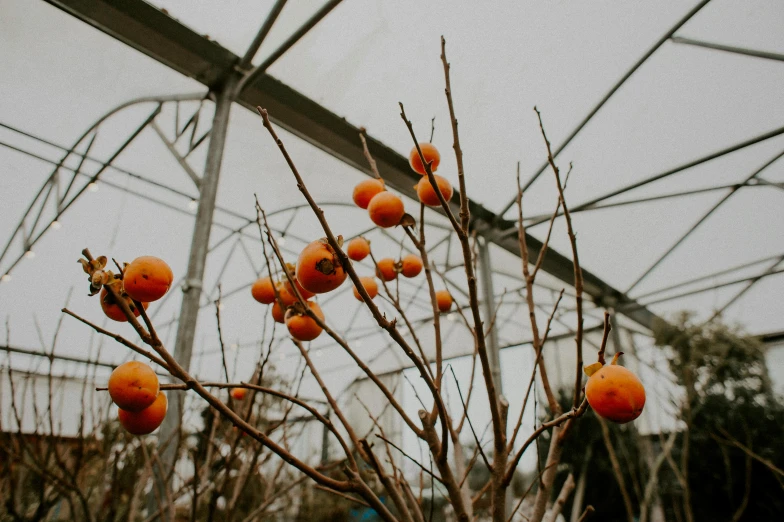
(371, 161)
(470, 425)
(541, 429)
(409, 457)
(578, 273)
(141, 351)
(586, 514)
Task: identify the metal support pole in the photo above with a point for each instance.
(488, 298)
(169, 437)
(491, 333)
(325, 442)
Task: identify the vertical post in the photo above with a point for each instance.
(491, 334)
(325, 442)
(488, 299)
(169, 436)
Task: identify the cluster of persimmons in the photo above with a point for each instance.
(613, 392)
(319, 270)
(134, 386)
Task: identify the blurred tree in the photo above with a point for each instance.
(728, 460)
(586, 455)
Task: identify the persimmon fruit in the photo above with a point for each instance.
(443, 300)
(287, 295)
(386, 269)
(147, 420)
(306, 294)
(133, 386)
(371, 287)
(278, 313)
(238, 393)
(358, 249)
(386, 209)
(614, 392)
(431, 154)
(303, 327)
(147, 278)
(428, 195)
(113, 310)
(411, 265)
(263, 290)
(366, 190)
(318, 268)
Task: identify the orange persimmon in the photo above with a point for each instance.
(113, 310)
(133, 386)
(431, 154)
(358, 249)
(371, 287)
(386, 209)
(319, 269)
(289, 290)
(444, 300)
(428, 196)
(386, 269)
(303, 327)
(614, 392)
(147, 420)
(411, 265)
(278, 313)
(365, 190)
(238, 393)
(147, 278)
(263, 290)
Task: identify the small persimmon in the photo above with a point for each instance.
(289, 290)
(428, 196)
(319, 269)
(386, 209)
(444, 300)
(238, 393)
(147, 420)
(614, 392)
(386, 269)
(263, 290)
(371, 287)
(411, 265)
(365, 190)
(431, 154)
(147, 278)
(113, 310)
(133, 386)
(278, 313)
(358, 249)
(301, 326)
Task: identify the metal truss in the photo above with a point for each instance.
(65, 185)
(173, 44)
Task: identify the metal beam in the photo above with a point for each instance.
(667, 173)
(729, 48)
(701, 220)
(752, 279)
(159, 36)
(264, 30)
(680, 23)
